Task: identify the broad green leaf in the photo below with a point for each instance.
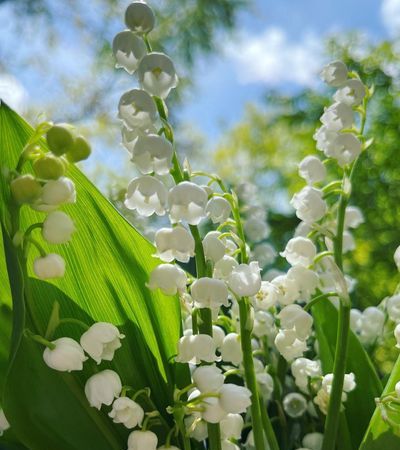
(108, 263)
(360, 404)
(379, 435)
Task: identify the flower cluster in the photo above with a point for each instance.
(47, 189)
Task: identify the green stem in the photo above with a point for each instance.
(268, 430)
(318, 299)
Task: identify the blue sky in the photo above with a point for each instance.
(278, 44)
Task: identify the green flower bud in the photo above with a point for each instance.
(80, 150)
(49, 167)
(139, 17)
(25, 189)
(60, 138)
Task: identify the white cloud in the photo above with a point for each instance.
(273, 59)
(390, 13)
(13, 93)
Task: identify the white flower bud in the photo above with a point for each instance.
(245, 280)
(209, 293)
(140, 440)
(396, 257)
(312, 169)
(126, 411)
(231, 426)
(102, 388)
(302, 229)
(170, 278)
(4, 425)
(353, 217)
(214, 247)
(55, 193)
(157, 75)
(288, 289)
(306, 280)
(231, 350)
(208, 378)
(137, 109)
(218, 209)
(234, 399)
(299, 251)
(196, 347)
(352, 92)
(396, 388)
(128, 50)
(57, 228)
(25, 189)
(174, 243)
(294, 317)
(152, 153)
(338, 116)
(313, 441)
(49, 266)
(309, 204)
(256, 229)
(224, 267)
(66, 356)
(101, 340)
(288, 345)
(294, 404)
(393, 308)
(147, 195)
(397, 335)
(139, 17)
(334, 73)
(187, 201)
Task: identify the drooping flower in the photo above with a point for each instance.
(218, 209)
(196, 347)
(334, 73)
(137, 109)
(288, 344)
(4, 424)
(101, 341)
(338, 116)
(312, 169)
(187, 202)
(209, 293)
(294, 317)
(102, 388)
(208, 378)
(231, 426)
(57, 228)
(351, 92)
(309, 205)
(55, 193)
(50, 266)
(231, 350)
(126, 411)
(128, 50)
(300, 251)
(147, 195)
(67, 355)
(224, 267)
(214, 247)
(174, 243)
(169, 278)
(245, 279)
(140, 440)
(152, 153)
(294, 404)
(139, 17)
(234, 399)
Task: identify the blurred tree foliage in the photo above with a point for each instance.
(276, 137)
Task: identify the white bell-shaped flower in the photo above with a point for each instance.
(256, 229)
(126, 411)
(309, 205)
(218, 336)
(334, 73)
(267, 296)
(373, 320)
(338, 116)
(231, 426)
(102, 388)
(170, 447)
(229, 445)
(326, 140)
(303, 369)
(397, 335)
(101, 341)
(209, 293)
(147, 195)
(218, 209)
(263, 324)
(152, 153)
(139, 17)
(306, 280)
(157, 75)
(396, 257)
(214, 247)
(169, 278)
(49, 266)
(300, 251)
(224, 267)
(196, 347)
(57, 228)
(213, 411)
(245, 279)
(67, 355)
(128, 50)
(264, 253)
(294, 404)
(196, 428)
(397, 389)
(140, 440)
(129, 137)
(234, 399)
(288, 288)
(312, 169)
(187, 201)
(231, 349)
(353, 217)
(294, 317)
(288, 345)
(174, 243)
(313, 441)
(393, 308)
(55, 193)
(208, 378)
(347, 148)
(352, 92)
(4, 424)
(137, 109)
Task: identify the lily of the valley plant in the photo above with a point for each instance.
(256, 377)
